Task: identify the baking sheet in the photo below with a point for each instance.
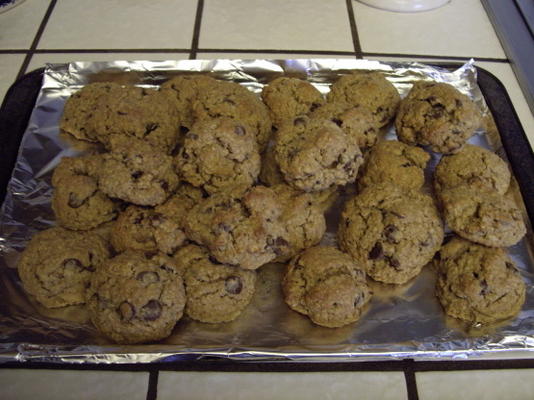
(401, 322)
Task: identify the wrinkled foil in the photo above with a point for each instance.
(401, 322)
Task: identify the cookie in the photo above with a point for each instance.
(215, 292)
(396, 163)
(367, 89)
(473, 166)
(155, 229)
(136, 297)
(315, 154)
(135, 172)
(219, 155)
(57, 265)
(139, 113)
(79, 110)
(484, 217)
(231, 100)
(240, 231)
(76, 201)
(478, 284)
(437, 115)
(288, 98)
(183, 90)
(357, 122)
(327, 285)
(390, 232)
(302, 218)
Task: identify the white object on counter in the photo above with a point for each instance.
(405, 5)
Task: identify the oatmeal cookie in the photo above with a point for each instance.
(392, 233)
(136, 297)
(57, 265)
(135, 172)
(241, 231)
(183, 90)
(79, 111)
(155, 229)
(219, 154)
(437, 115)
(367, 89)
(478, 284)
(357, 122)
(327, 285)
(473, 166)
(76, 201)
(315, 154)
(229, 99)
(288, 98)
(484, 217)
(396, 163)
(134, 112)
(215, 292)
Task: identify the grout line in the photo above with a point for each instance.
(411, 383)
(354, 30)
(36, 39)
(196, 30)
(152, 392)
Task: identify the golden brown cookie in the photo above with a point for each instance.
(478, 284)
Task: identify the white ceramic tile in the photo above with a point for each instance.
(265, 56)
(40, 60)
(460, 28)
(276, 24)
(114, 24)
(19, 25)
(280, 386)
(21, 384)
(9, 68)
(516, 384)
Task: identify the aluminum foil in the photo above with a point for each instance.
(401, 322)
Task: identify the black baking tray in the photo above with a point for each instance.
(19, 103)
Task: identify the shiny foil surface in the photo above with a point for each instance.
(400, 322)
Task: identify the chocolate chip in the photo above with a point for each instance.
(458, 103)
(407, 164)
(151, 311)
(149, 128)
(337, 121)
(147, 277)
(164, 185)
(389, 233)
(191, 135)
(394, 263)
(377, 252)
(510, 265)
(240, 130)
(280, 241)
(156, 219)
(314, 106)
(75, 201)
(475, 275)
(348, 167)
(213, 260)
(137, 174)
(73, 263)
(183, 130)
(122, 113)
(299, 121)
(126, 311)
(358, 300)
(233, 285)
(484, 286)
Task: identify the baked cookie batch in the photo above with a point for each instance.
(201, 182)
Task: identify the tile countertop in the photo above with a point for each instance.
(48, 31)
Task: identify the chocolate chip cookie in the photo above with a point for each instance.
(136, 297)
(135, 172)
(392, 233)
(288, 98)
(482, 216)
(241, 231)
(219, 154)
(396, 163)
(478, 284)
(357, 122)
(327, 285)
(437, 115)
(473, 166)
(57, 265)
(315, 154)
(367, 89)
(231, 100)
(215, 292)
(76, 201)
